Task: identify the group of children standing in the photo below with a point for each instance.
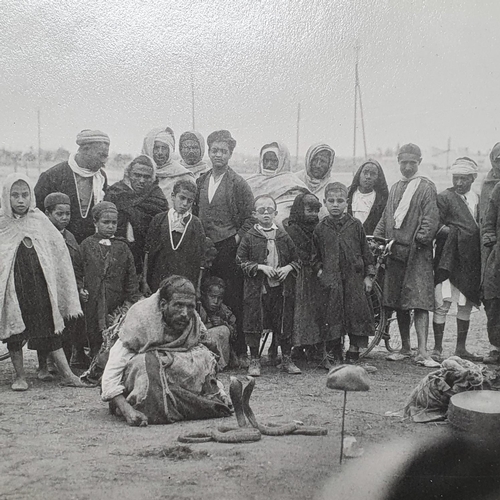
(306, 284)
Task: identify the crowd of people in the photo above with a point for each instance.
(198, 263)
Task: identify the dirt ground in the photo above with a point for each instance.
(61, 443)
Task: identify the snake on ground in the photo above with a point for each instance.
(240, 398)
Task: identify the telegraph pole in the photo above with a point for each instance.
(357, 98)
(298, 136)
(192, 98)
(39, 143)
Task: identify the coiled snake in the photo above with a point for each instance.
(242, 433)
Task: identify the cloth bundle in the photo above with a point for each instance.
(429, 400)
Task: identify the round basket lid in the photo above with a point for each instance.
(477, 412)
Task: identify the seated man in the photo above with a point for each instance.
(158, 371)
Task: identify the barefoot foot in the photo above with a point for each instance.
(44, 375)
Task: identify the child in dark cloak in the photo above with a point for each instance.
(269, 260)
(37, 285)
(304, 217)
(175, 244)
(344, 266)
(105, 273)
(58, 210)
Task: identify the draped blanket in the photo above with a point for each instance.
(52, 253)
(169, 381)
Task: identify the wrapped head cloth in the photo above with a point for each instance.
(464, 166)
(89, 136)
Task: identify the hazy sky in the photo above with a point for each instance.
(429, 70)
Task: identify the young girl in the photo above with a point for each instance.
(105, 273)
(37, 285)
(301, 224)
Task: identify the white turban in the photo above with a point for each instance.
(464, 166)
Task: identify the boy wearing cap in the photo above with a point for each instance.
(344, 266)
(457, 260)
(411, 219)
(82, 178)
(105, 273)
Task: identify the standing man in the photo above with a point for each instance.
(224, 204)
(192, 150)
(457, 261)
(82, 178)
(410, 219)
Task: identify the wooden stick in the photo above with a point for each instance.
(343, 426)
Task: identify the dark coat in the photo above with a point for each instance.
(60, 178)
(239, 199)
(108, 276)
(138, 210)
(341, 252)
(252, 251)
(381, 195)
(458, 256)
(164, 261)
(491, 240)
(409, 278)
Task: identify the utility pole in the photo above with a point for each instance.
(39, 143)
(298, 136)
(192, 97)
(357, 97)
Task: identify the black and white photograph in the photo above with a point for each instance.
(250, 249)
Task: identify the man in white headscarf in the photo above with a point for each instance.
(276, 179)
(159, 144)
(318, 170)
(82, 178)
(192, 150)
(457, 260)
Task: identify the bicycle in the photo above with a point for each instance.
(385, 329)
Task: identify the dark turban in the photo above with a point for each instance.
(409, 152)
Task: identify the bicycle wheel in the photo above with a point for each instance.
(379, 315)
(392, 337)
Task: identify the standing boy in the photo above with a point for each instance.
(344, 266)
(268, 258)
(58, 210)
(175, 243)
(105, 273)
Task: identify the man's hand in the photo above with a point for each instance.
(283, 272)
(135, 418)
(368, 282)
(132, 416)
(319, 273)
(237, 238)
(84, 295)
(216, 321)
(269, 271)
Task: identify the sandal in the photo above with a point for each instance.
(427, 363)
(398, 356)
